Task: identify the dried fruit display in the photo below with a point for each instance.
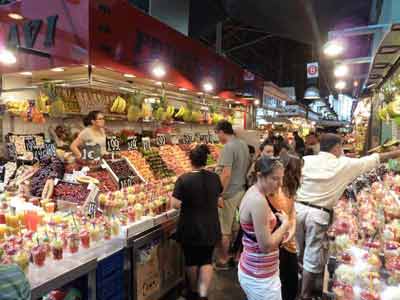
(75, 193)
(106, 182)
(50, 167)
(140, 163)
(176, 159)
(157, 165)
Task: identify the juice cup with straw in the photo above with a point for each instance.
(3, 230)
(31, 220)
(57, 249)
(38, 255)
(73, 242)
(2, 217)
(85, 238)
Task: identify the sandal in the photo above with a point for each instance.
(222, 266)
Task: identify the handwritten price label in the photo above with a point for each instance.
(126, 182)
(39, 152)
(161, 139)
(91, 152)
(132, 143)
(146, 143)
(187, 138)
(30, 143)
(112, 144)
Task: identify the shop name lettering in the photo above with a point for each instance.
(31, 30)
(153, 48)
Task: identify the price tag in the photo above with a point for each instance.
(92, 208)
(39, 152)
(146, 144)
(11, 151)
(30, 143)
(174, 139)
(132, 143)
(50, 148)
(161, 139)
(205, 138)
(125, 182)
(112, 144)
(2, 173)
(91, 152)
(187, 138)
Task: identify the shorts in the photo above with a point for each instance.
(311, 235)
(260, 288)
(198, 255)
(227, 214)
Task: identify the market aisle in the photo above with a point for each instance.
(225, 286)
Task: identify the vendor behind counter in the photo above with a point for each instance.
(94, 133)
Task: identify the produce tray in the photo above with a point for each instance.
(65, 205)
(114, 176)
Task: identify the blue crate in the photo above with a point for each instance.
(111, 287)
(110, 265)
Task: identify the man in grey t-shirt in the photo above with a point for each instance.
(233, 165)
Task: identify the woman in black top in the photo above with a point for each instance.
(196, 193)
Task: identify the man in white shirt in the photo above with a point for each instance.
(325, 178)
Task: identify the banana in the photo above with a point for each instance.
(122, 105)
(181, 112)
(114, 105)
(87, 179)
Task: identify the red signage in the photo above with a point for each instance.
(114, 34)
(58, 28)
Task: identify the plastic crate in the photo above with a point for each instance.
(111, 288)
(110, 265)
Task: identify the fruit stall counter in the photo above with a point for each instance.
(364, 261)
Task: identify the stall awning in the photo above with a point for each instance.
(272, 90)
(386, 59)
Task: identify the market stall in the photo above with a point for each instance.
(103, 217)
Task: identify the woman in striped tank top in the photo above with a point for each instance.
(264, 229)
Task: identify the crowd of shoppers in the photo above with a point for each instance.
(281, 198)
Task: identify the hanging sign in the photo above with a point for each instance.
(161, 139)
(313, 70)
(132, 143)
(146, 144)
(112, 144)
(30, 143)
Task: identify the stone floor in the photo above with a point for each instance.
(225, 286)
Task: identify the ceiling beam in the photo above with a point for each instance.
(248, 43)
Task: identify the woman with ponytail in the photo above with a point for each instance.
(196, 193)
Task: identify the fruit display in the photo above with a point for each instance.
(123, 170)
(157, 165)
(365, 238)
(176, 159)
(50, 167)
(140, 163)
(118, 106)
(74, 193)
(106, 183)
(215, 150)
